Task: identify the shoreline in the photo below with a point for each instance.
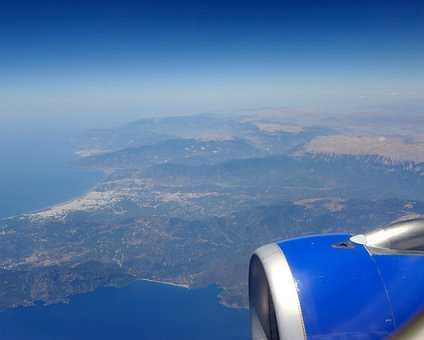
(181, 285)
(103, 176)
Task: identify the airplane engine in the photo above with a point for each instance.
(338, 286)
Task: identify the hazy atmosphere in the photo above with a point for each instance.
(147, 148)
(105, 62)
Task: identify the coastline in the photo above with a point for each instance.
(126, 312)
(181, 285)
(91, 188)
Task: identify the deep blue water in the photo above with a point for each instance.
(142, 310)
(35, 173)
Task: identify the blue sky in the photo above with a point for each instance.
(118, 60)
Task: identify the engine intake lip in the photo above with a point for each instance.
(274, 305)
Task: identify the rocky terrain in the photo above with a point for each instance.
(394, 149)
(187, 199)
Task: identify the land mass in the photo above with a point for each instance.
(186, 200)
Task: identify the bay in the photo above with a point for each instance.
(36, 172)
(142, 310)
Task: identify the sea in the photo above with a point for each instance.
(142, 310)
(36, 172)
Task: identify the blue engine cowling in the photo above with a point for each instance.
(338, 286)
